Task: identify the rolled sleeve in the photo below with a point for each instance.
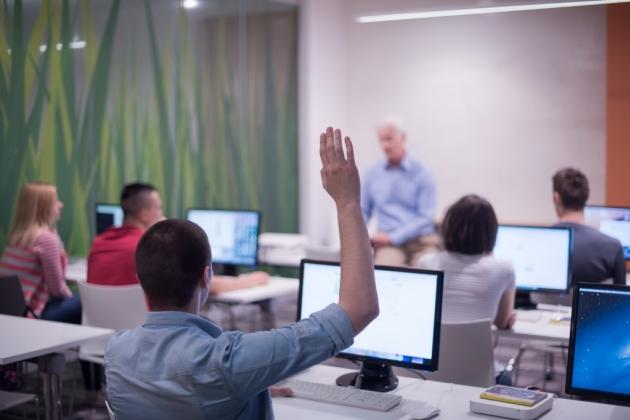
(336, 323)
(252, 362)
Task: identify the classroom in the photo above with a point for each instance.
(314, 209)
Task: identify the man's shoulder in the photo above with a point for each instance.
(376, 168)
(584, 234)
(118, 237)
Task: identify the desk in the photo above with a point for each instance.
(25, 338)
(259, 295)
(539, 324)
(453, 401)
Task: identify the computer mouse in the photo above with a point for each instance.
(418, 410)
(427, 412)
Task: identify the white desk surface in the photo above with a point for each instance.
(277, 286)
(541, 324)
(453, 401)
(25, 338)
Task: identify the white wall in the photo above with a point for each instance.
(493, 104)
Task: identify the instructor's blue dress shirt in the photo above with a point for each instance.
(402, 197)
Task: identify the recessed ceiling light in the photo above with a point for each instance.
(481, 10)
(190, 4)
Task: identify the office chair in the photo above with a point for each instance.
(466, 353)
(11, 297)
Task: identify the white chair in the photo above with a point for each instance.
(466, 354)
(114, 307)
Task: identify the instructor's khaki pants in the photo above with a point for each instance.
(408, 253)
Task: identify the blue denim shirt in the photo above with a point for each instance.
(179, 365)
(402, 197)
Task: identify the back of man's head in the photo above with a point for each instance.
(170, 260)
(134, 197)
(572, 188)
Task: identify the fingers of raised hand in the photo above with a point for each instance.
(330, 146)
(349, 149)
(338, 148)
(322, 149)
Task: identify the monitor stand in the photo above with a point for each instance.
(523, 300)
(373, 376)
(225, 270)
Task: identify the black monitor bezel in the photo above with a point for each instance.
(569, 388)
(100, 203)
(434, 362)
(240, 210)
(569, 256)
(598, 206)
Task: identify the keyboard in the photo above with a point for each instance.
(352, 397)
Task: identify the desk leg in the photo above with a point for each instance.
(268, 317)
(51, 367)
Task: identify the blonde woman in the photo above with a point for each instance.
(35, 253)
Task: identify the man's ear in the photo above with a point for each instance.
(556, 198)
(204, 281)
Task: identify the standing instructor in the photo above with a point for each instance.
(400, 192)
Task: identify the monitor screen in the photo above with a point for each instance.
(541, 256)
(407, 330)
(108, 215)
(613, 221)
(599, 349)
(233, 234)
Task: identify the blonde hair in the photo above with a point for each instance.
(34, 211)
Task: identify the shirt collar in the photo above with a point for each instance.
(405, 163)
(179, 318)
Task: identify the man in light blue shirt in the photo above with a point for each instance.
(400, 192)
(179, 365)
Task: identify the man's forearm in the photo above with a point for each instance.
(357, 293)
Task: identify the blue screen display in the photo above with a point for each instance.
(233, 234)
(601, 359)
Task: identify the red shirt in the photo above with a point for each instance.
(112, 259)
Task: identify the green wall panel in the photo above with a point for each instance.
(202, 106)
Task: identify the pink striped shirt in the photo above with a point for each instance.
(41, 269)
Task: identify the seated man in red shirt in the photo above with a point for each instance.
(112, 258)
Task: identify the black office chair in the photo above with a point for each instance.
(11, 297)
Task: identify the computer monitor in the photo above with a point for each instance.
(541, 256)
(599, 345)
(406, 332)
(233, 234)
(108, 215)
(613, 221)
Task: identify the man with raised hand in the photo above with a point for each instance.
(179, 365)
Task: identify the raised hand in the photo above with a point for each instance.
(340, 176)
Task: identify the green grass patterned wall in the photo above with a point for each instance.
(206, 109)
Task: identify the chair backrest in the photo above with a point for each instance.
(11, 297)
(114, 307)
(466, 353)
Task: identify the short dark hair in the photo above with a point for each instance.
(134, 197)
(470, 226)
(572, 187)
(170, 260)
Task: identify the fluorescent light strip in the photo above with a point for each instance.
(482, 10)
